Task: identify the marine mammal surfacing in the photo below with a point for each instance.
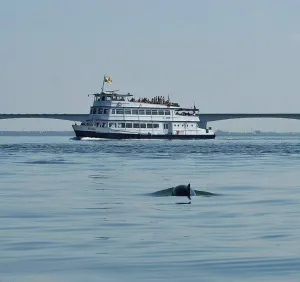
(183, 190)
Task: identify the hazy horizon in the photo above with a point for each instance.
(226, 56)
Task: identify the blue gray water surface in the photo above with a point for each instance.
(81, 210)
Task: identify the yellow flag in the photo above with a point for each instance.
(108, 79)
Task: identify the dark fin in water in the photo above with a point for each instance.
(189, 191)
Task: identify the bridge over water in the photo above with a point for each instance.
(204, 118)
(70, 117)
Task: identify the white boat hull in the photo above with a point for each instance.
(107, 133)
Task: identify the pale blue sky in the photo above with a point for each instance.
(227, 56)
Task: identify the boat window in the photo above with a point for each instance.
(91, 110)
(155, 125)
(105, 111)
(112, 124)
(113, 111)
(149, 125)
(94, 111)
(97, 124)
(166, 126)
(136, 125)
(127, 112)
(154, 112)
(148, 112)
(161, 112)
(135, 112)
(103, 124)
(128, 125)
(141, 112)
(143, 125)
(121, 125)
(99, 111)
(167, 112)
(119, 111)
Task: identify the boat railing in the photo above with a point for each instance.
(185, 114)
(155, 100)
(186, 111)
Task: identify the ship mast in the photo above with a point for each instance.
(103, 84)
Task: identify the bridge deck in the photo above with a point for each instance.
(219, 116)
(71, 117)
(204, 118)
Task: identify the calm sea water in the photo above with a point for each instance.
(81, 210)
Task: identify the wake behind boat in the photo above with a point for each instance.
(121, 116)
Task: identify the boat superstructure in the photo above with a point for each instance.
(122, 116)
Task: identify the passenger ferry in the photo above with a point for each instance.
(121, 116)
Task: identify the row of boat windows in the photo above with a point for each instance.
(128, 125)
(133, 125)
(101, 111)
(137, 125)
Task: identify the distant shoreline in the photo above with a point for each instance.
(71, 133)
(255, 133)
(37, 133)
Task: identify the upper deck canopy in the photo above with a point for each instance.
(112, 93)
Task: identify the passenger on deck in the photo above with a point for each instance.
(160, 100)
